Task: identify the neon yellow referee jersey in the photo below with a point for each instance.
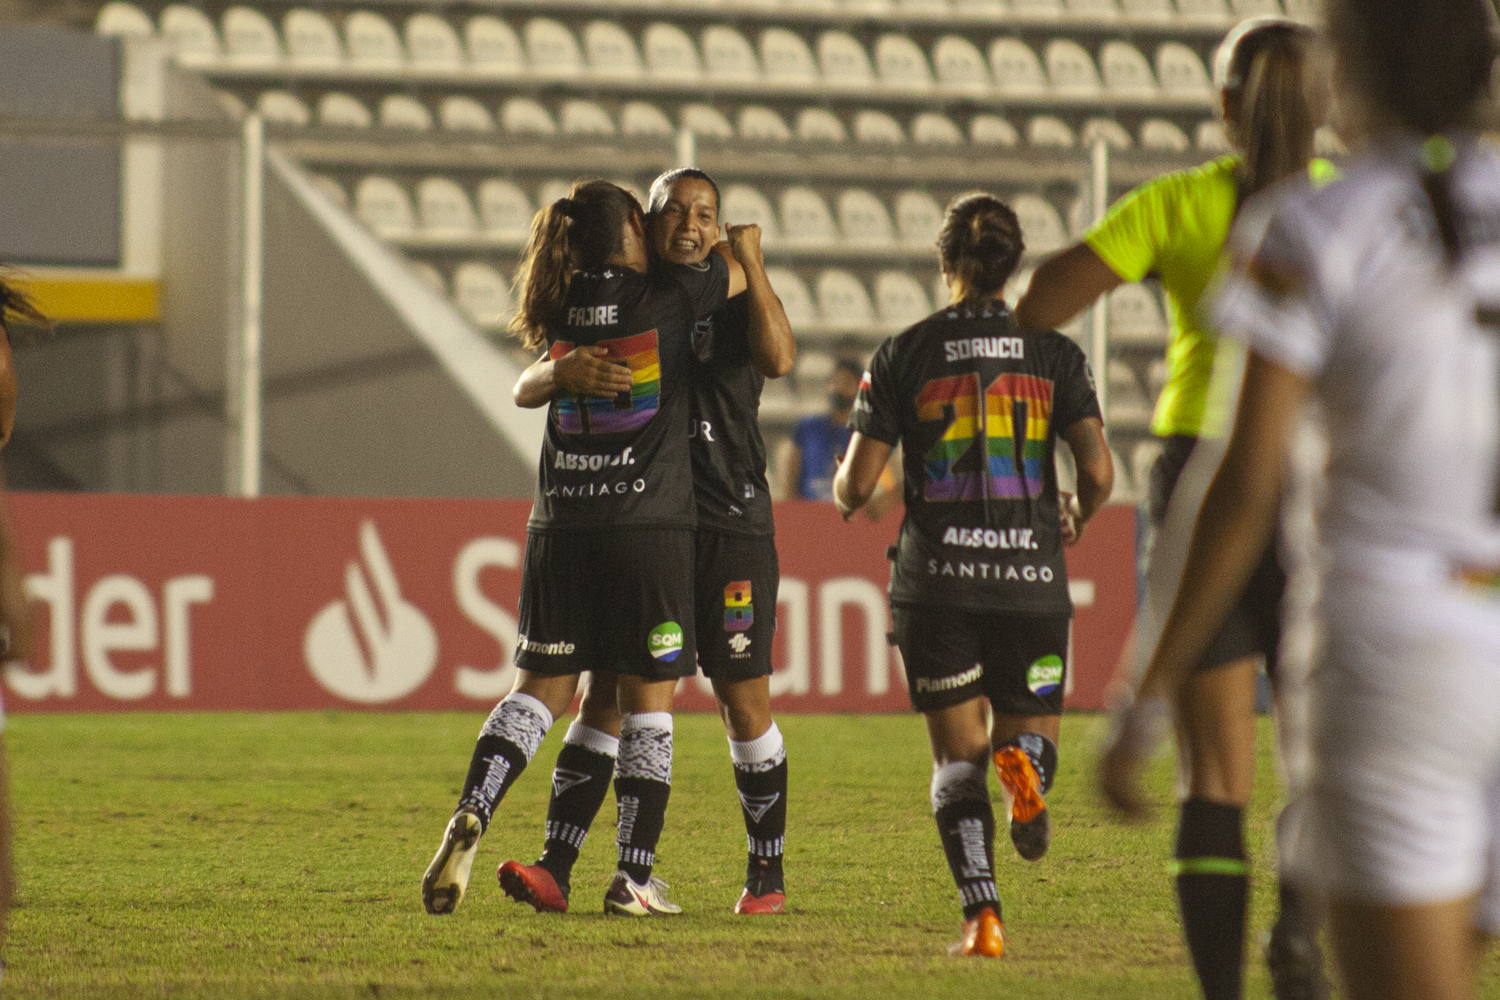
(1174, 227)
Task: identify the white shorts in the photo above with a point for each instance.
(1402, 803)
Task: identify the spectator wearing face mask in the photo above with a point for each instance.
(806, 462)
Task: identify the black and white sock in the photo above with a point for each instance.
(579, 783)
(507, 743)
(1213, 889)
(643, 782)
(760, 774)
(966, 824)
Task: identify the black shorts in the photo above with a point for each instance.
(617, 601)
(737, 577)
(1019, 662)
(1253, 627)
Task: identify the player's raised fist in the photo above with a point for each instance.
(745, 242)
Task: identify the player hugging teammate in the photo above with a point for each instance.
(609, 542)
(979, 588)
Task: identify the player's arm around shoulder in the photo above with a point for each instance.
(583, 371)
(772, 346)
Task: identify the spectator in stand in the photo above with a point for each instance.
(806, 462)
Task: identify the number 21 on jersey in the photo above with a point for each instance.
(1007, 422)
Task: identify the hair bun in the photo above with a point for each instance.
(567, 206)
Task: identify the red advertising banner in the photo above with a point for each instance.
(213, 603)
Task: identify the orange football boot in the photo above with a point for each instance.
(1030, 827)
(984, 936)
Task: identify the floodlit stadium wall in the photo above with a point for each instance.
(163, 603)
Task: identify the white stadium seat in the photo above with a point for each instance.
(728, 56)
(338, 110)
(1016, 68)
(786, 59)
(1127, 401)
(382, 205)
(1180, 72)
(759, 124)
(1157, 133)
(611, 51)
(403, 111)
(444, 208)
(1203, 11)
(525, 116)
(1254, 8)
(900, 300)
(902, 64)
(923, 6)
(493, 46)
(932, 129)
(1094, 10)
(1115, 135)
(551, 49)
(640, 118)
(813, 368)
(1149, 10)
(1125, 70)
(191, 35)
(585, 118)
(1041, 225)
(706, 120)
(843, 61)
(796, 300)
(959, 65)
(1050, 9)
(464, 114)
(551, 190)
(670, 53)
(1142, 458)
(311, 39)
(1212, 137)
(992, 130)
(1305, 11)
(482, 294)
(1135, 315)
(992, 9)
(1045, 130)
(878, 127)
(283, 108)
(332, 189)
(805, 217)
(843, 300)
(1156, 376)
(432, 44)
(430, 276)
(864, 219)
(1070, 68)
(744, 205)
(249, 37)
(118, 19)
(820, 125)
(504, 209)
(372, 42)
(918, 218)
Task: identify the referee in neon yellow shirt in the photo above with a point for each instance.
(1174, 228)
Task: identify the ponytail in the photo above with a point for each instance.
(577, 233)
(1274, 108)
(980, 244)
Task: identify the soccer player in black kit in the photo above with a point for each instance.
(979, 588)
(737, 348)
(607, 580)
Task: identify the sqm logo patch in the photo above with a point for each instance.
(665, 642)
(1045, 675)
(739, 642)
(739, 613)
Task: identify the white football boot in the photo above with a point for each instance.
(448, 876)
(627, 899)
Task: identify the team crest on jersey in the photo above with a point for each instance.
(1045, 676)
(739, 612)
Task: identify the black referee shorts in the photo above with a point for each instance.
(1253, 627)
(737, 577)
(1020, 662)
(620, 601)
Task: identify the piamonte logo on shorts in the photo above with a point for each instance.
(666, 641)
(1045, 675)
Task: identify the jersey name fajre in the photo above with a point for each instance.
(622, 461)
(977, 406)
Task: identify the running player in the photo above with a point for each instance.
(738, 347)
(979, 589)
(1174, 227)
(1376, 295)
(607, 579)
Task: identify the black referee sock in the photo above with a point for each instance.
(580, 780)
(1213, 890)
(966, 824)
(643, 783)
(506, 744)
(760, 774)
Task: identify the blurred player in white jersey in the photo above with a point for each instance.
(1378, 296)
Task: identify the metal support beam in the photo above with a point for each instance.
(687, 148)
(1099, 314)
(246, 392)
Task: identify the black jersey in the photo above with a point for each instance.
(623, 462)
(978, 405)
(729, 455)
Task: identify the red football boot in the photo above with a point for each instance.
(532, 884)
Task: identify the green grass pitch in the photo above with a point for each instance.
(280, 855)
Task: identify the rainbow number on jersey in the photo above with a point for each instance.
(628, 410)
(1010, 420)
